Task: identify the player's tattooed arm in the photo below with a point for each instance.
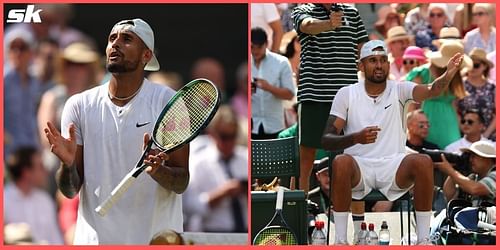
(333, 139)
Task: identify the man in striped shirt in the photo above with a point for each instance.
(481, 184)
(330, 37)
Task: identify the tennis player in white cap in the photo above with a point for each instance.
(103, 130)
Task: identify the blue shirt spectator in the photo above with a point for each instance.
(20, 111)
(272, 75)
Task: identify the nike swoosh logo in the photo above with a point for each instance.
(387, 106)
(138, 125)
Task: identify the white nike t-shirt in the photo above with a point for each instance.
(112, 139)
(353, 105)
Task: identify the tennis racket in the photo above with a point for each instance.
(276, 232)
(186, 114)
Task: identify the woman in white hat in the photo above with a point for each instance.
(481, 91)
(441, 110)
(484, 36)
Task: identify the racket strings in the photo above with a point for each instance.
(187, 115)
(275, 237)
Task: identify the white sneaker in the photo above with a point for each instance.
(425, 242)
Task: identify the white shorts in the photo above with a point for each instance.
(379, 174)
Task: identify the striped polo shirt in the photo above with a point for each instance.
(328, 61)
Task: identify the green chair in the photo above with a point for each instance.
(376, 195)
(276, 158)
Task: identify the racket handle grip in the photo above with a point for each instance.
(279, 198)
(115, 195)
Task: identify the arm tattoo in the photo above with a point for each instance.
(68, 180)
(439, 85)
(172, 178)
(332, 138)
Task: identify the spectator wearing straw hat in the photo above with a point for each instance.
(388, 17)
(447, 33)
(438, 18)
(440, 110)
(484, 36)
(397, 41)
(481, 91)
(481, 184)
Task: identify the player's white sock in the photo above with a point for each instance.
(340, 219)
(423, 224)
(357, 219)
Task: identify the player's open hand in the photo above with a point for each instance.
(155, 158)
(367, 135)
(63, 148)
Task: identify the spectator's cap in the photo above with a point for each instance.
(25, 36)
(258, 36)
(368, 49)
(17, 234)
(447, 50)
(414, 52)
(441, 6)
(447, 33)
(397, 33)
(383, 13)
(143, 31)
(321, 165)
(480, 55)
(79, 53)
(482, 148)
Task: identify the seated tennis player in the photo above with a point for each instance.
(366, 121)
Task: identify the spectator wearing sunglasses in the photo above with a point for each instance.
(472, 126)
(413, 56)
(481, 91)
(417, 130)
(438, 18)
(484, 36)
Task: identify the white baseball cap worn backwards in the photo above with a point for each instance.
(368, 49)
